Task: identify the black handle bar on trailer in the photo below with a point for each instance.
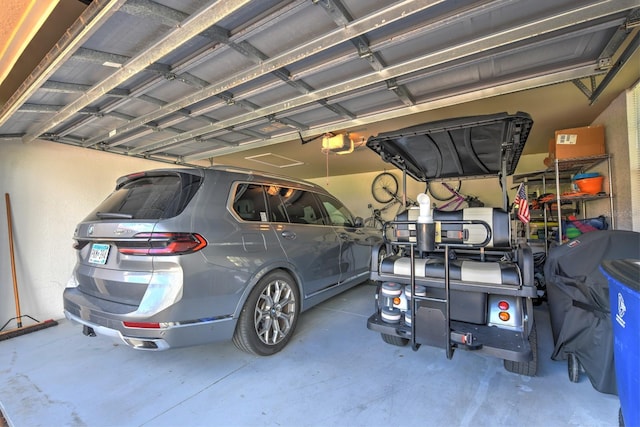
(446, 222)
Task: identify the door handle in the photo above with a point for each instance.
(289, 235)
(344, 236)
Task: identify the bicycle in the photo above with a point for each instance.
(454, 199)
(375, 220)
(384, 189)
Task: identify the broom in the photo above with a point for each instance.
(20, 330)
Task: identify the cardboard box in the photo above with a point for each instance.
(577, 142)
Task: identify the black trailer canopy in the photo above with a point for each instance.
(462, 147)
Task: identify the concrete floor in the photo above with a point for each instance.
(335, 372)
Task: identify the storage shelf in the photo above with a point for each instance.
(582, 198)
(562, 171)
(566, 168)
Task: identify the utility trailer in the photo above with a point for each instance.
(456, 279)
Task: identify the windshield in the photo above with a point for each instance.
(149, 197)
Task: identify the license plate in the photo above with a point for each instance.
(99, 253)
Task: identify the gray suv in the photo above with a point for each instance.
(179, 257)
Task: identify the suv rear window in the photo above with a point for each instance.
(149, 197)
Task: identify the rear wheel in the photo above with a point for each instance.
(269, 316)
(439, 192)
(530, 367)
(573, 368)
(384, 187)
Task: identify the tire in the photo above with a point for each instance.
(573, 368)
(394, 340)
(384, 187)
(269, 316)
(440, 192)
(530, 367)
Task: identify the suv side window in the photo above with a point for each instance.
(274, 200)
(249, 202)
(339, 215)
(302, 207)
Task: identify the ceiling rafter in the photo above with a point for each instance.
(195, 25)
(341, 16)
(306, 49)
(284, 70)
(93, 17)
(400, 91)
(450, 99)
(172, 17)
(436, 23)
(486, 43)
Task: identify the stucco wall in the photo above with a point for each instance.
(614, 118)
(51, 188)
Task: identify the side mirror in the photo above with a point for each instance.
(359, 222)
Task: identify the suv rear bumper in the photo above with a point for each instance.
(80, 309)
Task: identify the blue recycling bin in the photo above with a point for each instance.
(624, 296)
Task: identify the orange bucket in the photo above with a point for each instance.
(591, 185)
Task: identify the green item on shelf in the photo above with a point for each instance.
(572, 233)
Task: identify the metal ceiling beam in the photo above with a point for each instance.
(96, 14)
(626, 55)
(53, 86)
(251, 52)
(486, 43)
(174, 39)
(172, 17)
(445, 101)
(341, 16)
(458, 16)
(378, 19)
(114, 60)
(151, 10)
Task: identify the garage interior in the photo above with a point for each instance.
(93, 90)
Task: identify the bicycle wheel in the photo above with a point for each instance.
(384, 187)
(439, 192)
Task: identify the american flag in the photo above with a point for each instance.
(523, 205)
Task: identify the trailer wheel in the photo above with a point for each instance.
(530, 367)
(573, 366)
(394, 340)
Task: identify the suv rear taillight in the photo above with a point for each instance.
(162, 244)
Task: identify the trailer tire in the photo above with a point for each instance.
(394, 340)
(530, 367)
(573, 368)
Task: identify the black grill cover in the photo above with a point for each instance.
(578, 298)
